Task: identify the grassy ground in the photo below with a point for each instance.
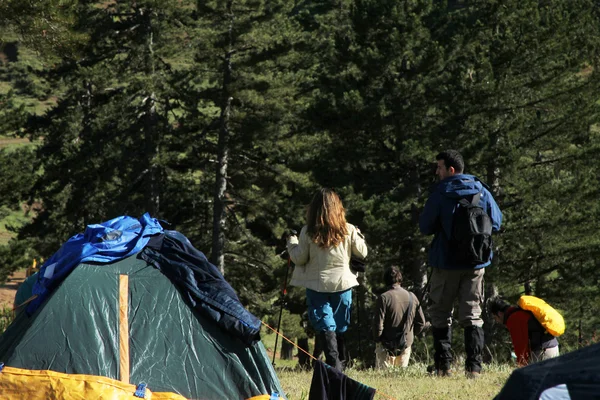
(410, 383)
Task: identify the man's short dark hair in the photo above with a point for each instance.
(496, 305)
(452, 158)
(392, 275)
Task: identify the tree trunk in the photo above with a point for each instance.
(219, 206)
(150, 130)
(303, 358)
(418, 266)
(287, 350)
(580, 343)
(151, 149)
(490, 288)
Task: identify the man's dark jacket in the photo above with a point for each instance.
(436, 218)
(201, 284)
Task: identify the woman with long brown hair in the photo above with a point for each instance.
(322, 256)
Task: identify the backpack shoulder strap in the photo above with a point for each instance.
(464, 202)
(474, 201)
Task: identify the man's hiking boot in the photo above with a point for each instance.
(474, 343)
(342, 350)
(443, 373)
(472, 374)
(442, 343)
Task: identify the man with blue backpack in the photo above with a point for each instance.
(461, 214)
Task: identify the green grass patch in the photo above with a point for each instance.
(5, 87)
(10, 218)
(268, 340)
(409, 383)
(34, 105)
(11, 144)
(6, 317)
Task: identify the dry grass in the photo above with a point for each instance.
(410, 383)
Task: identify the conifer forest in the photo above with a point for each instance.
(222, 118)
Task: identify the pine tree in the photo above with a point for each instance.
(245, 102)
(108, 142)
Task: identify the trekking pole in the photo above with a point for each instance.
(358, 322)
(283, 294)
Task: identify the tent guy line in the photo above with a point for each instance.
(312, 357)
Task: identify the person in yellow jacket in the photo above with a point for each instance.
(322, 254)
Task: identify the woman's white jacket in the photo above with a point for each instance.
(325, 269)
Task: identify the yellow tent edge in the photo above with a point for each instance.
(18, 383)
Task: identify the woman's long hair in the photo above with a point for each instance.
(326, 219)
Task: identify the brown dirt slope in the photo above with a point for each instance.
(9, 288)
(5, 142)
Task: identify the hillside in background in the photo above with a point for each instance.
(20, 85)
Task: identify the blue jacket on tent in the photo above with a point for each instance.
(103, 243)
(436, 218)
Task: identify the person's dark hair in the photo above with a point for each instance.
(452, 158)
(392, 275)
(496, 305)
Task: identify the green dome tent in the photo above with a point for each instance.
(128, 322)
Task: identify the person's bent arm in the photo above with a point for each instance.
(517, 325)
(494, 213)
(359, 246)
(428, 221)
(420, 324)
(378, 320)
(299, 249)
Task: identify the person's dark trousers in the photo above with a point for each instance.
(330, 348)
(319, 340)
(474, 342)
(342, 350)
(442, 344)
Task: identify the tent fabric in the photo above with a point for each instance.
(24, 291)
(172, 347)
(103, 243)
(202, 284)
(17, 384)
(578, 370)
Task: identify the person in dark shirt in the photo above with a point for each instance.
(530, 340)
(398, 312)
